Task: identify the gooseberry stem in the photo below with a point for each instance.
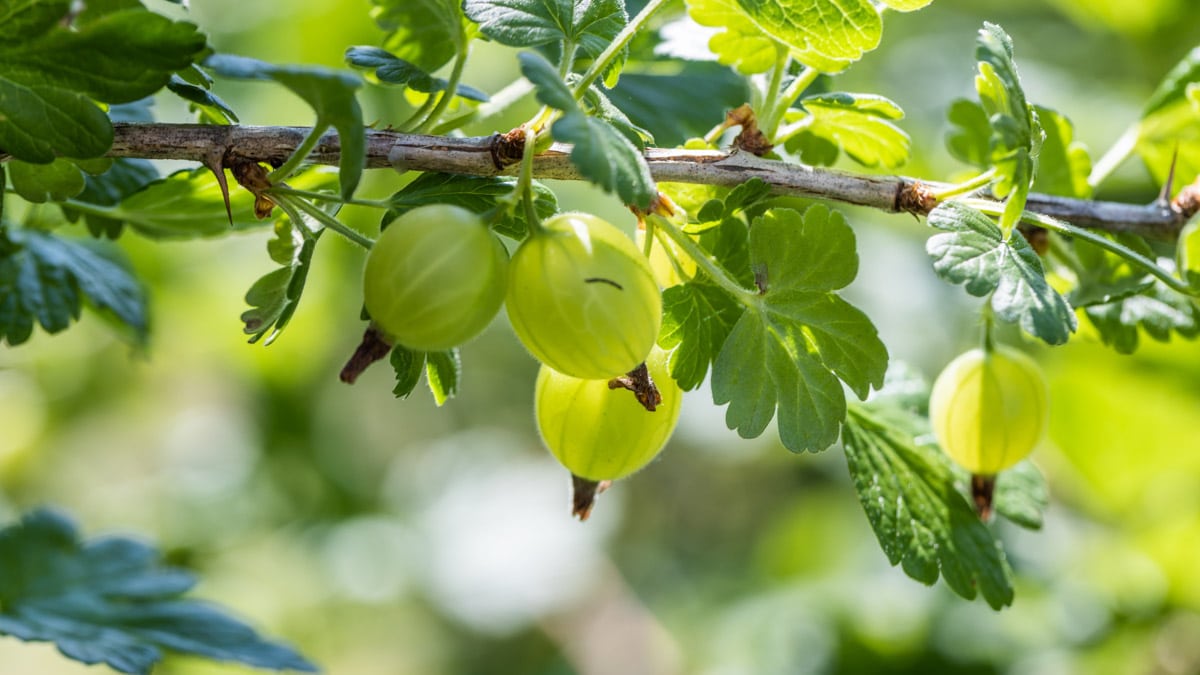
(971, 185)
(449, 93)
(613, 50)
(329, 221)
(298, 155)
(706, 262)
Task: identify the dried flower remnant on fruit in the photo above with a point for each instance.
(583, 495)
(641, 384)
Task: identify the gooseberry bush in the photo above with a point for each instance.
(734, 276)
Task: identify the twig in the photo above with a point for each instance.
(473, 156)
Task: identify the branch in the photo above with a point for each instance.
(475, 156)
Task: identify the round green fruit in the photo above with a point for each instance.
(582, 298)
(435, 278)
(600, 433)
(989, 409)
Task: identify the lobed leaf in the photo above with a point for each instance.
(858, 124)
(685, 104)
(589, 24)
(425, 33)
(697, 320)
(392, 70)
(1169, 130)
(408, 365)
(111, 601)
(974, 253)
(1063, 162)
(443, 371)
(273, 299)
(1159, 312)
(741, 43)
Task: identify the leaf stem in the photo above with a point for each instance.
(792, 92)
(328, 197)
(1115, 155)
(329, 221)
(706, 262)
(769, 114)
(1055, 225)
(299, 154)
(613, 50)
(971, 185)
(450, 92)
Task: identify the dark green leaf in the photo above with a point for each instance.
(123, 178)
(202, 98)
(599, 105)
(1103, 276)
(923, 524)
(551, 89)
(111, 601)
(1159, 311)
(1063, 162)
(408, 366)
(605, 157)
(590, 24)
(443, 371)
(330, 93)
(972, 252)
(859, 124)
(46, 278)
(478, 194)
(784, 351)
(682, 105)
(47, 100)
(392, 70)
(427, 33)
(697, 318)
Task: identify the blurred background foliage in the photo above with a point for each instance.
(387, 537)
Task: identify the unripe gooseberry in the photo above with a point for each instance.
(989, 409)
(600, 433)
(582, 299)
(665, 272)
(435, 278)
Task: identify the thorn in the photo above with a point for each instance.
(215, 161)
(1164, 197)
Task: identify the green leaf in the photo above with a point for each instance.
(123, 178)
(551, 89)
(1021, 495)
(922, 522)
(598, 105)
(973, 252)
(906, 5)
(188, 204)
(741, 43)
(1103, 276)
(41, 183)
(1187, 253)
(391, 70)
(1160, 312)
(408, 366)
(330, 93)
(111, 601)
(697, 319)
(969, 138)
(682, 105)
(45, 278)
(1063, 162)
(478, 194)
(274, 298)
(426, 33)
(1171, 124)
(826, 35)
(443, 371)
(590, 24)
(48, 100)
(203, 99)
(858, 124)
(784, 351)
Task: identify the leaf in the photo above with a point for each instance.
(123, 178)
(972, 252)
(922, 522)
(1160, 312)
(906, 5)
(188, 204)
(477, 194)
(40, 183)
(426, 33)
(551, 89)
(408, 366)
(330, 93)
(443, 370)
(697, 319)
(46, 278)
(1104, 276)
(202, 98)
(826, 35)
(598, 105)
(391, 70)
(858, 124)
(784, 351)
(111, 601)
(48, 101)
(1063, 162)
(970, 134)
(274, 297)
(605, 157)
(590, 24)
(741, 43)
(1170, 126)
(1021, 495)
(682, 105)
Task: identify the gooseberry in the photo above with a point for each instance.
(582, 298)
(989, 409)
(600, 433)
(435, 278)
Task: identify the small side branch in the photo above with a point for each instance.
(474, 156)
